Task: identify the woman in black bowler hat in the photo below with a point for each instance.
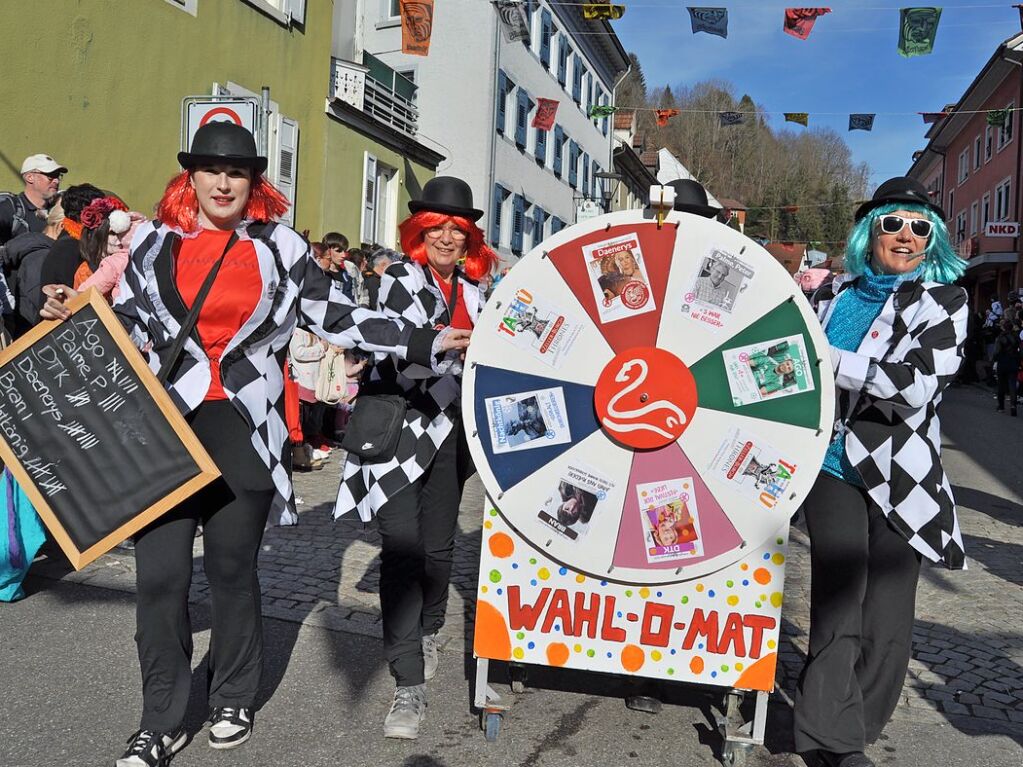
(214, 234)
(415, 493)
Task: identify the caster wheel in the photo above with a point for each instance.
(734, 754)
(491, 726)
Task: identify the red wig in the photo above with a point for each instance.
(179, 206)
(480, 260)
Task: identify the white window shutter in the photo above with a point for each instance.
(286, 164)
(295, 10)
(369, 199)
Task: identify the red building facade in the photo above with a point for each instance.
(972, 169)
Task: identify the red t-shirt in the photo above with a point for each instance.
(459, 314)
(231, 300)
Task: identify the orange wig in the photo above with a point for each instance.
(179, 206)
(480, 260)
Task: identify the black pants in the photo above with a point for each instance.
(1007, 384)
(862, 597)
(233, 511)
(418, 530)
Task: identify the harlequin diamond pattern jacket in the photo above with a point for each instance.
(408, 291)
(296, 292)
(888, 392)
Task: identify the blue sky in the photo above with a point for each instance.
(850, 63)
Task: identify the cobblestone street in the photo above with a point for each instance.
(968, 642)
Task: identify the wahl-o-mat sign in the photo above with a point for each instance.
(648, 407)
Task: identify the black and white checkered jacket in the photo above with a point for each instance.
(295, 292)
(888, 391)
(408, 290)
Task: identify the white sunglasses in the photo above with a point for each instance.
(892, 224)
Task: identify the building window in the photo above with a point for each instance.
(540, 147)
(394, 8)
(985, 209)
(577, 80)
(559, 142)
(188, 6)
(546, 32)
(586, 175)
(960, 232)
(538, 221)
(974, 210)
(1005, 134)
(518, 222)
(976, 153)
(1002, 201)
(500, 195)
(573, 164)
(563, 53)
(964, 165)
(556, 225)
(503, 87)
(522, 118)
(988, 141)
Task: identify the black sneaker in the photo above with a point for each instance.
(152, 749)
(229, 727)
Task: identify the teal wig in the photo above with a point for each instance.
(941, 264)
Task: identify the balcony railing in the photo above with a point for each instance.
(379, 91)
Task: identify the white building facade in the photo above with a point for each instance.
(477, 95)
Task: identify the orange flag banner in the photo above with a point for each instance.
(416, 26)
(663, 115)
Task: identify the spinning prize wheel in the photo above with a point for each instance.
(649, 403)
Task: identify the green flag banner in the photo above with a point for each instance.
(917, 30)
(602, 110)
(803, 118)
(998, 117)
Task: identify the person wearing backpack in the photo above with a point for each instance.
(26, 211)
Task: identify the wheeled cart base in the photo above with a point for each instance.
(738, 736)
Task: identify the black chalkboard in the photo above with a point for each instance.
(90, 435)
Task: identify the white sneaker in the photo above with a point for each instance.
(149, 749)
(407, 711)
(430, 659)
(229, 726)
(320, 455)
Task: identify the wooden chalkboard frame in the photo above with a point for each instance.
(208, 470)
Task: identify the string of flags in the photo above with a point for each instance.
(918, 27)
(864, 121)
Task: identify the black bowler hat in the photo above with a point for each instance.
(899, 189)
(691, 197)
(447, 194)
(223, 142)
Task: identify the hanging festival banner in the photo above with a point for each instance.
(663, 115)
(917, 30)
(998, 117)
(803, 118)
(546, 109)
(799, 21)
(416, 26)
(601, 110)
(933, 117)
(731, 118)
(513, 20)
(861, 122)
(593, 11)
(713, 21)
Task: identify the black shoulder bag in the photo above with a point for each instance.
(375, 426)
(193, 315)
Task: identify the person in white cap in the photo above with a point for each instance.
(26, 212)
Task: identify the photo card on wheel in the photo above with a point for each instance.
(715, 288)
(570, 508)
(671, 520)
(528, 419)
(618, 277)
(768, 370)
